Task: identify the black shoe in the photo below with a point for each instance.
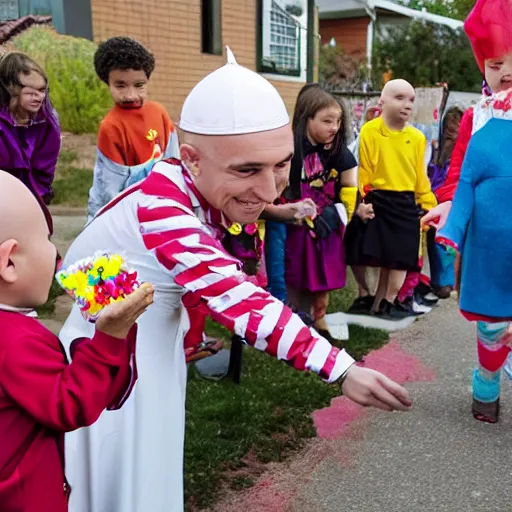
(443, 292)
(429, 299)
(423, 289)
(408, 305)
(389, 311)
(362, 306)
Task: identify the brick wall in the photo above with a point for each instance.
(172, 30)
(350, 34)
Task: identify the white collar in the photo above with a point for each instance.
(23, 311)
(497, 106)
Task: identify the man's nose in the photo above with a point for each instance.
(266, 187)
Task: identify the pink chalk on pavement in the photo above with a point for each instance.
(392, 361)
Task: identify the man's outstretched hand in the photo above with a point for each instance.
(372, 389)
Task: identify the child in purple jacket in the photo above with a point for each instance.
(29, 127)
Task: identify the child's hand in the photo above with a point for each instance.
(438, 216)
(306, 208)
(117, 319)
(365, 212)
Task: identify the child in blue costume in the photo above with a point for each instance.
(476, 228)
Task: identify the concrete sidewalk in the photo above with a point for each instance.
(435, 458)
(431, 459)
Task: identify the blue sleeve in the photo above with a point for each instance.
(173, 147)
(109, 179)
(275, 246)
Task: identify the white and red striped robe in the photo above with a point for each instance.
(131, 460)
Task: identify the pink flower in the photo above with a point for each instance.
(251, 229)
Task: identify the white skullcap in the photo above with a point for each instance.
(233, 100)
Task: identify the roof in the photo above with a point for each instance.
(337, 9)
(10, 29)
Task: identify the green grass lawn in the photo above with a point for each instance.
(71, 185)
(46, 310)
(266, 417)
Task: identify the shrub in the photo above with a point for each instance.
(77, 94)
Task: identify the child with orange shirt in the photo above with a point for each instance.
(136, 133)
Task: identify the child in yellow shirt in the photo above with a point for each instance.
(394, 186)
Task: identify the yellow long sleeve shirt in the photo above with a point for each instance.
(394, 160)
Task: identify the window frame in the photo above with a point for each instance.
(211, 39)
(260, 64)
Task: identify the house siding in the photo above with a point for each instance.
(350, 34)
(172, 30)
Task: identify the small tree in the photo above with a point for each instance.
(457, 9)
(426, 54)
(341, 70)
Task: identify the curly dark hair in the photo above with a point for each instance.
(122, 53)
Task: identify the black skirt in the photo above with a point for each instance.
(390, 240)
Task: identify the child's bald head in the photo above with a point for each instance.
(27, 257)
(397, 86)
(396, 101)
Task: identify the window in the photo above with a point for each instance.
(9, 10)
(71, 17)
(281, 36)
(14, 9)
(211, 22)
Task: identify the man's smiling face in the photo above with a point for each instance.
(240, 174)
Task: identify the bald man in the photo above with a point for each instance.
(394, 185)
(41, 396)
(235, 160)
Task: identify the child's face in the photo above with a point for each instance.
(128, 87)
(29, 98)
(498, 73)
(398, 104)
(325, 125)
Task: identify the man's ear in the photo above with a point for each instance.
(7, 269)
(190, 157)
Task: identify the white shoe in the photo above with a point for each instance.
(420, 308)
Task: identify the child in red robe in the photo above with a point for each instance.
(41, 395)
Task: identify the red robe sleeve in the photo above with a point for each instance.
(61, 396)
(213, 282)
(447, 190)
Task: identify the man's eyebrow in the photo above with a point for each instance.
(257, 164)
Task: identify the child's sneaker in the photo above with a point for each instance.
(429, 299)
(362, 306)
(410, 305)
(486, 398)
(389, 311)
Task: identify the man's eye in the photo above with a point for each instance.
(247, 171)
